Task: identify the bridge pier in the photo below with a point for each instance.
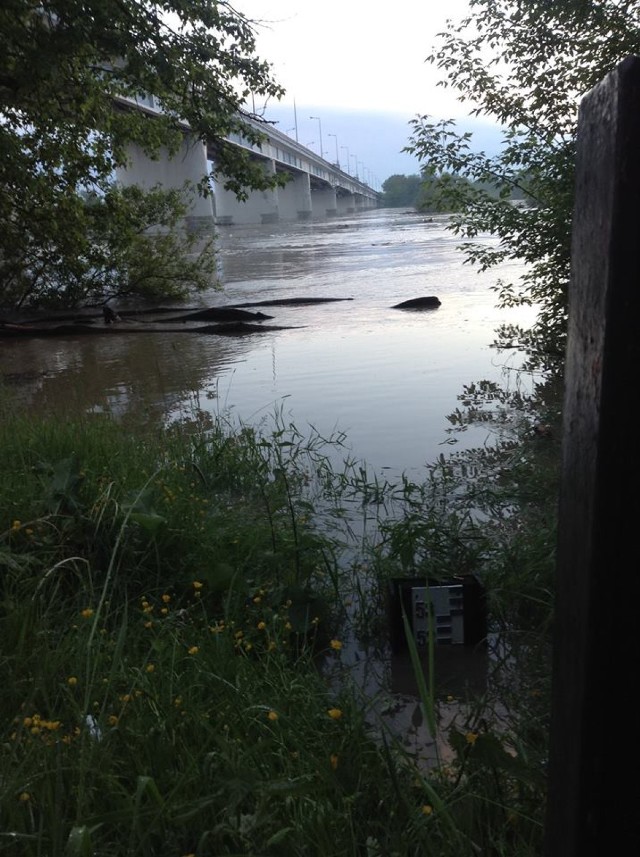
(324, 203)
(361, 202)
(261, 206)
(345, 203)
(295, 198)
(181, 172)
(269, 205)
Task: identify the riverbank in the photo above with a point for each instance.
(172, 601)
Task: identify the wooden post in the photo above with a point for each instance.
(594, 767)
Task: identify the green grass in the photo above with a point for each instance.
(167, 601)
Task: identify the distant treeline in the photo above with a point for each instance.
(425, 193)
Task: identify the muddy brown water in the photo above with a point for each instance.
(386, 377)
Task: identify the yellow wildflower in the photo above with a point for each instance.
(72, 681)
(194, 650)
(166, 598)
(112, 720)
(262, 626)
(272, 715)
(336, 645)
(427, 809)
(87, 613)
(16, 525)
(471, 738)
(148, 624)
(334, 713)
(197, 584)
(24, 797)
(150, 668)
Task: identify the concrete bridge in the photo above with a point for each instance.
(316, 189)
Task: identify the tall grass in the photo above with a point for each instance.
(169, 601)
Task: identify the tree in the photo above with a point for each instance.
(400, 190)
(419, 192)
(525, 64)
(68, 234)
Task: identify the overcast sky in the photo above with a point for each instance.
(359, 67)
(356, 54)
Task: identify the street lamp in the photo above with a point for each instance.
(337, 156)
(355, 160)
(346, 148)
(317, 118)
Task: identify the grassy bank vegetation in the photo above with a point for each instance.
(170, 601)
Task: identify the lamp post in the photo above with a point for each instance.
(337, 156)
(355, 160)
(346, 148)
(317, 118)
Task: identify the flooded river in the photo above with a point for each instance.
(387, 378)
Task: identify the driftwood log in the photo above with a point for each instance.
(232, 320)
(430, 302)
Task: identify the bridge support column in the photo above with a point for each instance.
(269, 207)
(295, 198)
(345, 203)
(324, 202)
(189, 165)
(260, 206)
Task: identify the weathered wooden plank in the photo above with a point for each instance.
(594, 797)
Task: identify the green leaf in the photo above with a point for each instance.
(280, 836)
(79, 843)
